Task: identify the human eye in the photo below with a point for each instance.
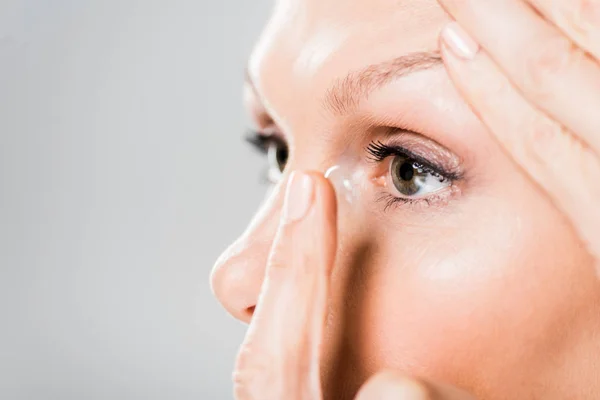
(275, 149)
(410, 178)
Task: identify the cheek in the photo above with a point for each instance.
(449, 304)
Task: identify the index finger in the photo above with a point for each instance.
(279, 357)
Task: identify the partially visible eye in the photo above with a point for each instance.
(277, 154)
(276, 150)
(411, 179)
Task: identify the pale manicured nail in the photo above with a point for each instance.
(298, 197)
(459, 41)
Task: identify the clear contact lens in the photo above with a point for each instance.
(343, 180)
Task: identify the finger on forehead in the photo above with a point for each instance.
(543, 63)
(280, 354)
(541, 146)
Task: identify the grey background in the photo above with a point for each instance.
(122, 178)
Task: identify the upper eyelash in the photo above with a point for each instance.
(258, 141)
(379, 151)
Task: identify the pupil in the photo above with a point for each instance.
(282, 156)
(407, 172)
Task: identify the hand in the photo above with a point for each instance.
(280, 356)
(530, 70)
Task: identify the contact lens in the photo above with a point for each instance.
(344, 181)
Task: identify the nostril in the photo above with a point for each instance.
(238, 275)
(247, 314)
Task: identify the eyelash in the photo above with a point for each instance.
(391, 201)
(378, 152)
(261, 143)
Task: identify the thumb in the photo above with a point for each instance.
(394, 386)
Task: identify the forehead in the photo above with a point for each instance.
(308, 44)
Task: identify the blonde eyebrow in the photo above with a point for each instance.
(345, 94)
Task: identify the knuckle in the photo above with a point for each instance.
(547, 64)
(277, 261)
(484, 96)
(581, 16)
(489, 96)
(543, 138)
(252, 374)
(544, 131)
(290, 260)
(280, 258)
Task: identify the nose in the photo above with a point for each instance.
(237, 276)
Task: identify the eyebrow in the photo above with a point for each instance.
(346, 93)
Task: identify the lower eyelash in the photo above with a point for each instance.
(391, 201)
(436, 199)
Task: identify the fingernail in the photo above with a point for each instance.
(459, 41)
(298, 196)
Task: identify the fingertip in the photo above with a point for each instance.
(308, 222)
(326, 207)
(325, 192)
(391, 385)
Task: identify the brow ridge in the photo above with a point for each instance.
(346, 93)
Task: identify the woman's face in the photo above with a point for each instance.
(452, 265)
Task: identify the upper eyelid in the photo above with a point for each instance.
(429, 165)
(388, 150)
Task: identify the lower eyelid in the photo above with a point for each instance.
(436, 200)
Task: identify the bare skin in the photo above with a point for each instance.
(484, 287)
